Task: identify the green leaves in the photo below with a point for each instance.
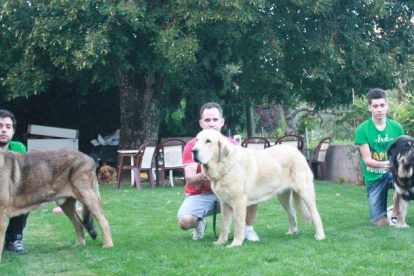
(272, 51)
(404, 113)
(176, 48)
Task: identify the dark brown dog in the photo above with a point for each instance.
(30, 179)
(401, 156)
(107, 174)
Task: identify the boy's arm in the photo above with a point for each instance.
(366, 156)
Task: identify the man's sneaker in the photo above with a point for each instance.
(392, 221)
(16, 246)
(198, 232)
(252, 236)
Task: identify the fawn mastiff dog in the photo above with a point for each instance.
(401, 156)
(241, 177)
(30, 179)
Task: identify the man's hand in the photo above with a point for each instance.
(202, 177)
(192, 177)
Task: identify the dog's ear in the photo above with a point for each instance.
(113, 171)
(391, 149)
(224, 150)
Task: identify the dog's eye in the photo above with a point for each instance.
(208, 141)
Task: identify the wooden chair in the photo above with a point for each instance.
(256, 143)
(291, 140)
(317, 156)
(169, 156)
(140, 161)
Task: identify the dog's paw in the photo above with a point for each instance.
(292, 232)
(401, 225)
(80, 243)
(108, 245)
(220, 242)
(320, 237)
(234, 244)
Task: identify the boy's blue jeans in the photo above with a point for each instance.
(378, 195)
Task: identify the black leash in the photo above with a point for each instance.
(215, 210)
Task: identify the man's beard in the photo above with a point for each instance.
(4, 143)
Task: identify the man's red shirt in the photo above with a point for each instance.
(204, 187)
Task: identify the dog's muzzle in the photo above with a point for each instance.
(195, 155)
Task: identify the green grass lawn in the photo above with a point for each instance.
(148, 241)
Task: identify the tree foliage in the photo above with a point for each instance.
(317, 51)
(150, 50)
(159, 54)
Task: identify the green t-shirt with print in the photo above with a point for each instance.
(16, 146)
(379, 142)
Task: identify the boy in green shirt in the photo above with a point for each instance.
(373, 137)
(14, 232)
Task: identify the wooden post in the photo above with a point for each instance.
(250, 120)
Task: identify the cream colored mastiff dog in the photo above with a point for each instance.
(241, 177)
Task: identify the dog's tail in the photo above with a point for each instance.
(87, 215)
(88, 222)
(301, 208)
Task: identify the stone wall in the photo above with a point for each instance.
(342, 164)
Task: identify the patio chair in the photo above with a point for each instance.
(169, 156)
(256, 143)
(272, 140)
(291, 140)
(140, 161)
(317, 157)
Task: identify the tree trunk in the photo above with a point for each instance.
(250, 121)
(290, 121)
(400, 91)
(139, 112)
